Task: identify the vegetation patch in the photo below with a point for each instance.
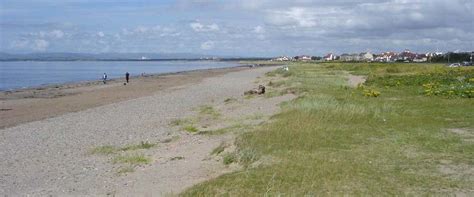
(229, 158)
(191, 129)
(218, 150)
(132, 159)
(207, 110)
(333, 140)
(107, 150)
(142, 145)
(104, 150)
(177, 158)
(238, 127)
(230, 100)
(446, 82)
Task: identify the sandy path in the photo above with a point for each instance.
(50, 157)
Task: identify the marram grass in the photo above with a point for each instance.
(333, 140)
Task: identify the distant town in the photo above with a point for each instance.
(461, 58)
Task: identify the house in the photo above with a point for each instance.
(329, 57)
(406, 55)
(420, 58)
(350, 57)
(282, 58)
(304, 58)
(366, 57)
(386, 57)
(345, 57)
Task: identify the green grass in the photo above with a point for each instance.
(142, 145)
(218, 150)
(132, 159)
(334, 140)
(107, 149)
(207, 110)
(104, 150)
(229, 158)
(190, 128)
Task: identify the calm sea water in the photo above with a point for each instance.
(15, 75)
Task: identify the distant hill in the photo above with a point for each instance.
(99, 56)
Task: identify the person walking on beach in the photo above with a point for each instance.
(127, 76)
(104, 78)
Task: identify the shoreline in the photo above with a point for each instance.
(97, 81)
(33, 104)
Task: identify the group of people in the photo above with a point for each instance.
(104, 77)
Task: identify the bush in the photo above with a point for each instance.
(449, 83)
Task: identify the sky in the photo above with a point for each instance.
(236, 28)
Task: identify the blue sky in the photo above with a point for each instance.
(236, 28)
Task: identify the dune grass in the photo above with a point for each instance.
(132, 159)
(142, 145)
(334, 140)
(190, 129)
(208, 110)
(104, 150)
(108, 149)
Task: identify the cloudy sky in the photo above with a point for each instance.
(236, 28)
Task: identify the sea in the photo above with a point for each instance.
(29, 74)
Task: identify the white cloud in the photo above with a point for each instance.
(100, 34)
(259, 29)
(198, 27)
(295, 16)
(208, 45)
(40, 45)
(57, 33)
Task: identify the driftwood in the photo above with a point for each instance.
(259, 90)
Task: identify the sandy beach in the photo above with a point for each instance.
(26, 105)
(48, 133)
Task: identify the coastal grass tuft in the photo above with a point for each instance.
(108, 149)
(104, 150)
(229, 158)
(334, 140)
(219, 149)
(208, 110)
(190, 128)
(142, 145)
(177, 158)
(132, 159)
(230, 100)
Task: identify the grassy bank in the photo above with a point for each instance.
(410, 138)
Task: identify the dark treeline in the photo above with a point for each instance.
(452, 57)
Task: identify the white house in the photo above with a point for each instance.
(305, 58)
(366, 56)
(329, 57)
(283, 58)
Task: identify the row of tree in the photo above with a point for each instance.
(453, 57)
